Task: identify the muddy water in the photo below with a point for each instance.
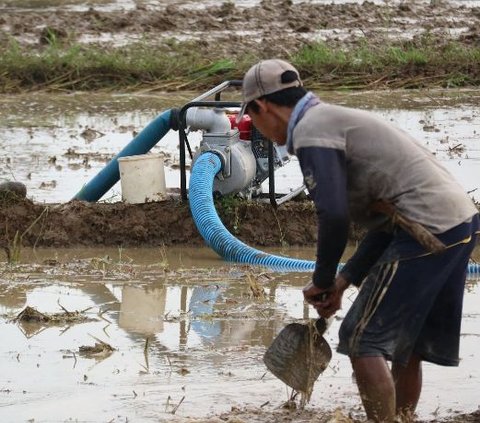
(241, 24)
(56, 144)
(188, 4)
(188, 339)
(206, 334)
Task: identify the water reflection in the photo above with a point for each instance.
(191, 330)
(177, 315)
(183, 317)
(142, 309)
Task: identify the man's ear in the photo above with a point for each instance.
(262, 104)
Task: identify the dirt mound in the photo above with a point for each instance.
(169, 222)
(152, 224)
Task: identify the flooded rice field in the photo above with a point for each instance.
(176, 334)
(154, 335)
(56, 143)
(167, 334)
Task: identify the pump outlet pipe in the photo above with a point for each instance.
(141, 144)
(217, 236)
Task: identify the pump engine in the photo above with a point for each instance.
(247, 157)
(242, 149)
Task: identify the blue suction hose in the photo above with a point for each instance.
(217, 236)
(141, 144)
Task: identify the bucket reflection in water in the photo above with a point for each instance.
(142, 310)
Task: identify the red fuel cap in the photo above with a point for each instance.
(244, 126)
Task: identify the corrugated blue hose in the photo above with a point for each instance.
(473, 270)
(217, 236)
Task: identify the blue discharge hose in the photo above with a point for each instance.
(473, 270)
(217, 236)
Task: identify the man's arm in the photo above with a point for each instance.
(324, 172)
(328, 301)
(367, 253)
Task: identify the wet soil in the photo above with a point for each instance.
(279, 24)
(307, 416)
(164, 223)
(151, 224)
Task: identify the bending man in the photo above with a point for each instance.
(410, 267)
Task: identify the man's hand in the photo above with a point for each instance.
(326, 301)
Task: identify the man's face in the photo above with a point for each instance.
(268, 122)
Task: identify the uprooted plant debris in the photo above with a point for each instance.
(100, 350)
(32, 315)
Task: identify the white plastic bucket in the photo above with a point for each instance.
(142, 178)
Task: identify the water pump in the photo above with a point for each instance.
(247, 157)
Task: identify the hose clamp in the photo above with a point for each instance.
(224, 153)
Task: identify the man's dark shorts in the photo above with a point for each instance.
(412, 305)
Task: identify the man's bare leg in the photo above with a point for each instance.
(408, 385)
(376, 386)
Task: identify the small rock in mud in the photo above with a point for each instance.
(11, 190)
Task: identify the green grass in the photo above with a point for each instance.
(90, 67)
(187, 65)
(422, 63)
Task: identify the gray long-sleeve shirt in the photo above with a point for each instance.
(351, 158)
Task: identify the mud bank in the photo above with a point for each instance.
(164, 223)
(152, 224)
